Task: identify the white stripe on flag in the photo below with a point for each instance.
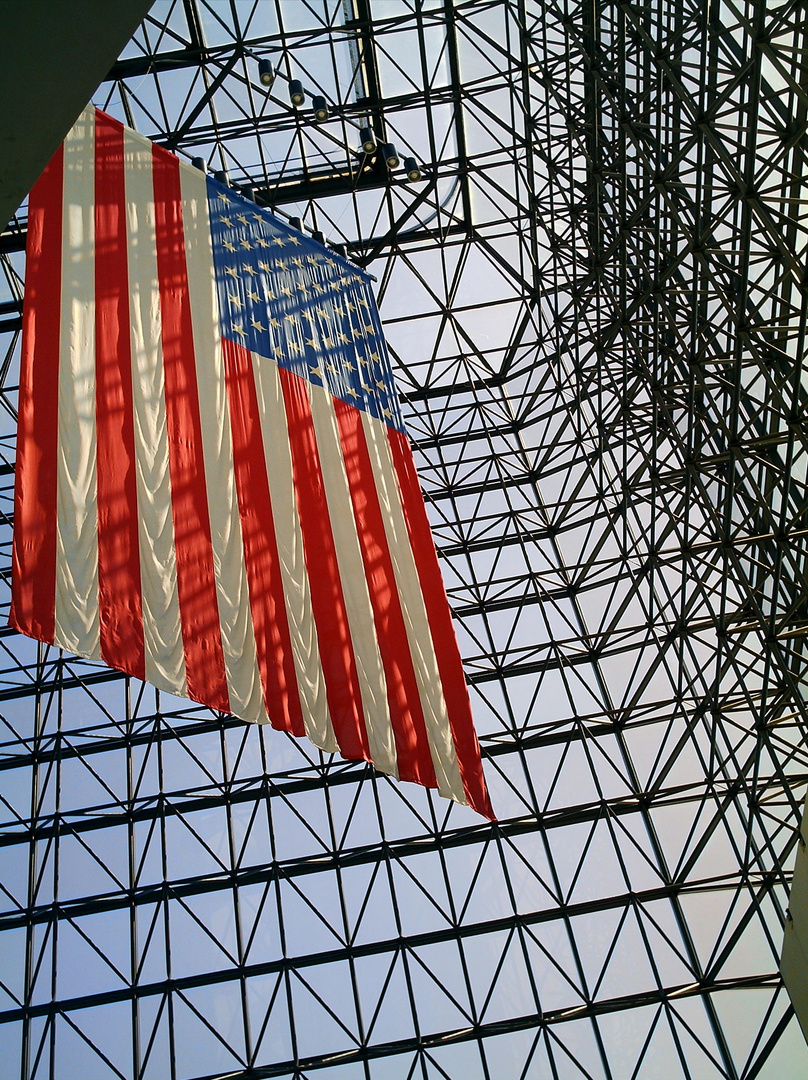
(289, 538)
(162, 633)
(372, 681)
(235, 618)
(436, 717)
(77, 624)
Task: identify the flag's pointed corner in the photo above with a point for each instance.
(483, 806)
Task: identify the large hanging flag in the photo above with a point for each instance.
(215, 492)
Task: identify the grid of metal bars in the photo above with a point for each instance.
(596, 299)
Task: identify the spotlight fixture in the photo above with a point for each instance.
(390, 156)
(340, 249)
(199, 163)
(266, 73)
(318, 236)
(296, 223)
(222, 177)
(296, 94)
(368, 139)
(411, 169)
(320, 108)
(248, 191)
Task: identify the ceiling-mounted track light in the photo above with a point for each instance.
(320, 108)
(411, 169)
(296, 93)
(266, 73)
(368, 140)
(390, 156)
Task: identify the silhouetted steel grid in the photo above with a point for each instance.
(596, 300)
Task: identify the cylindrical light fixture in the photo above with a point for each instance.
(296, 93)
(390, 156)
(222, 177)
(318, 236)
(411, 169)
(340, 249)
(296, 223)
(248, 191)
(199, 163)
(368, 139)
(266, 73)
(320, 107)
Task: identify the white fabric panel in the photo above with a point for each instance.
(77, 624)
(162, 631)
(232, 590)
(372, 681)
(419, 635)
(289, 538)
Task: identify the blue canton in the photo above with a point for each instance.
(284, 297)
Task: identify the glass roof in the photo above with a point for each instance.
(594, 298)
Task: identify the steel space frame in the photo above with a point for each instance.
(595, 297)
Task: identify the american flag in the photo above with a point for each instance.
(215, 491)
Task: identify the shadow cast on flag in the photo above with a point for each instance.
(214, 489)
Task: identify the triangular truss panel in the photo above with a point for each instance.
(595, 297)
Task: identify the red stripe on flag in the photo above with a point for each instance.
(196, 587)
(121, 613)
(403, 695)
(327, 599)
(33, 584)
(440, 624)
(267, 601)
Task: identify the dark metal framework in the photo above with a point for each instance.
(596, 299)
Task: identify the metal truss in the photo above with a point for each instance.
(596, 300)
